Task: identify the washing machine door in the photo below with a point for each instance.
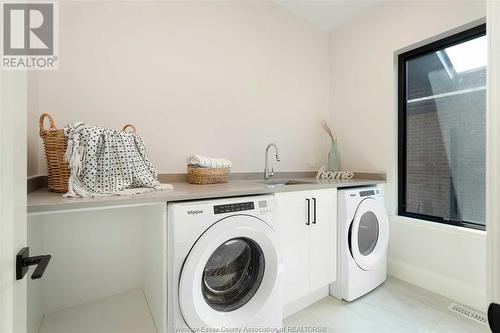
(369, 234)
(230, 274)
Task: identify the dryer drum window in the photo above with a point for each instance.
(368, 233)
(233, 274)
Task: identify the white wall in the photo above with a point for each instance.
(216, 78)
(447, 260)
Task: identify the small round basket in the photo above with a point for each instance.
(203, 176)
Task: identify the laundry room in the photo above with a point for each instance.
(250, 166)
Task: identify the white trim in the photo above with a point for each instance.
(302, 303)
(441, 226)
(77, 210)
(493, 153)
(13, 146)
(456, 290)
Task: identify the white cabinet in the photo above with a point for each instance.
(294, 238)
(307, 230)
(323, 239)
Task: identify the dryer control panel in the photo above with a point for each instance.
(367, 193)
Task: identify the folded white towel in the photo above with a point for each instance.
(207, 162)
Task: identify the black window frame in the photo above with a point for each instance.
(455, 39)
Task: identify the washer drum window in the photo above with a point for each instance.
(233, 274)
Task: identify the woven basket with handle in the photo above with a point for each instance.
(203, 176)
(55, 144)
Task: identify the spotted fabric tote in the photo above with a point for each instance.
(107, 162)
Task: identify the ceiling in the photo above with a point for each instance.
(327, 15)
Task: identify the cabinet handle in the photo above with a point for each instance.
(308, 202)
(314, 210)
(23, 261)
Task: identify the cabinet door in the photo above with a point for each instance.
(323, 238)
(293, 234)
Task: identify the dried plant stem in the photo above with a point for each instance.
(327, 129)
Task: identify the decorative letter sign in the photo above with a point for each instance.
(323, 174)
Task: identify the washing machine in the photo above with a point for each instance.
(224, 266)
(363, 231)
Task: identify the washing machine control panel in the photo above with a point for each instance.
(236, 207)
(366, 193)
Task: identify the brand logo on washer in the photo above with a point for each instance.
(195, 212)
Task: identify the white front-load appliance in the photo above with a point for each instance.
(363, 231)
(224, 266)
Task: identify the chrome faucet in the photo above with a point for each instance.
(269, 173)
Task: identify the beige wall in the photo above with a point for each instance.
(445, 259)
(221, 79)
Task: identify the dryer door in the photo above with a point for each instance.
(369, 234)
(230, 274)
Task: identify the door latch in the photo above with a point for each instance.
(23, 261)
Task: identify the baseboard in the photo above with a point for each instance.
(35, 183)
(301, 303)
(460, 291)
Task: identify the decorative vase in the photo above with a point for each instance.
(334, 157)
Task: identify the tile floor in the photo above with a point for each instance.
(396, 306)
(122, 313)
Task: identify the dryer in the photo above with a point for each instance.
(363, 231)
(224, 266)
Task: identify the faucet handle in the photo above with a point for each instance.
(271, 172)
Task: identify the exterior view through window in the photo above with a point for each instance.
(442, 141)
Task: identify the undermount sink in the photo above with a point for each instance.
(284, 182)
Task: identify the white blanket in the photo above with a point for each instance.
(108, 162)
(207, 162)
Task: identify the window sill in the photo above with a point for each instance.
(419, 222)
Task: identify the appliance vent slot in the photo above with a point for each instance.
(466, 312)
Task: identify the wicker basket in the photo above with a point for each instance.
(132, 127)
(203, 176)
(55, 144)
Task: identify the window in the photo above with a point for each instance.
(442, 123)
